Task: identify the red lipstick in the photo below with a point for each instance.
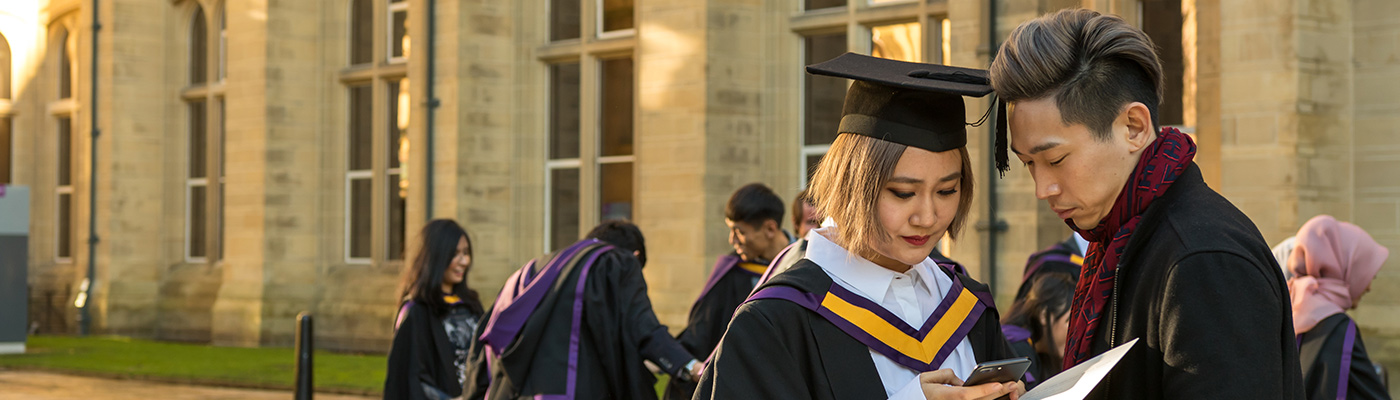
(916, 240)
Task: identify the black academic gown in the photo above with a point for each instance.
(1039, 370)
(777, 349)
(709, 316)
(421, 355)
(619, 330)
(1326, 362)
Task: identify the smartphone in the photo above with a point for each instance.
(1008, 370)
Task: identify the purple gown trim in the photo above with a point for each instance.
(722, 267)
(520, 297)
(1015, 333)
(1345, 367)
(572, 384)
(771, 271)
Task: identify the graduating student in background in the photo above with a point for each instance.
(1333, 264)
(577, 324)
(754, 215)
(436, 320)
(804, 214)
(865, 314)
(1038, 321)
(1170, 261)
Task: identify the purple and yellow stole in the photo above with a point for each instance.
(923, 349)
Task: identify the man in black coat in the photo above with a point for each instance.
(1170, 261)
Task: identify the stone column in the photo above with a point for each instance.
(132, 166)
(699, 136)
(1375, 160)
(274, 246)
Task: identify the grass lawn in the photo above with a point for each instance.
(192, 363)
(201, 364)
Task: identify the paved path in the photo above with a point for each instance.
(50, 386)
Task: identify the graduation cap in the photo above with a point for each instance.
(913, 104)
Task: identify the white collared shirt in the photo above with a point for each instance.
(913, 296)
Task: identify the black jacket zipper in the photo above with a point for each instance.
(1113, 325)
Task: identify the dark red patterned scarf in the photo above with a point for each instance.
(1161, 164)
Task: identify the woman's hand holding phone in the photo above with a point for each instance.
(943, 385)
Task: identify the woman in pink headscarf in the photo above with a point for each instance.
(1332, 265)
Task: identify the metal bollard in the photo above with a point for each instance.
(305, 346)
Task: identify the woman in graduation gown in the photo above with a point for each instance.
(865, 314)
(433, 329)
(1333, 264)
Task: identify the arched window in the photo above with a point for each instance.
(4, 68)
(65, 142)
(204, 105)
(223, 43)
(5, 141)
(199, 48)
(65, 64)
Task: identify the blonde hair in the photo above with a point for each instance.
(847, 185)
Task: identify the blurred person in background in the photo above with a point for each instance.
(1333, 263)
(437, 316)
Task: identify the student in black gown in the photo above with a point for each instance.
(1037, 323)
(865, 314)
(804, 214)
(577, 324)
(436, 320)
(754, 215)
(1333, 264)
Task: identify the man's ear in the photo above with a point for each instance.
(1137, 120)
(771, 228)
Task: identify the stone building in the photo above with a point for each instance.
(242, 161)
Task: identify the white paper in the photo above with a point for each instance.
(1075, 383)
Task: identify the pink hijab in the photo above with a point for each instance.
(1332, 264)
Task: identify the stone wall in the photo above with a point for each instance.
(1292, 101)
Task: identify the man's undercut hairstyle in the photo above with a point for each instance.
(753, 204)
(1093, 65)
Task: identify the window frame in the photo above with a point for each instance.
(62, 65)
(61, 190)
(379, 75)
(196, 20)
(222, 12)
(211, 95)
(856, 20)
(7, 112)
(350, 30)
(598, 31)
(192, 182)
(590, 51)
(392, 7)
